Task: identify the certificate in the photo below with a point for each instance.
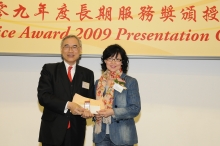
(88, 103)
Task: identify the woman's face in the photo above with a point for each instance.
(113, 64)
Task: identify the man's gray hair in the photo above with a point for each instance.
(71, 36)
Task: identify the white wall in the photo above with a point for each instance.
(180, 100)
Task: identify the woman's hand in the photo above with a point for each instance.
(105, 113)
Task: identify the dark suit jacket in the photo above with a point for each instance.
(54, 90)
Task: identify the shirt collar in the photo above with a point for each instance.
(67, 65)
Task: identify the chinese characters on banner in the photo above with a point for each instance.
(142, 25)
(146, 12)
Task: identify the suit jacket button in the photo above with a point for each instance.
(117, 121)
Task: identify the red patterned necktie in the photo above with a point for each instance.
(69, 73)
(70, 78)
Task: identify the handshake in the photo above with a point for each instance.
(76, 109)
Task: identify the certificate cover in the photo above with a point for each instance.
(94, 105)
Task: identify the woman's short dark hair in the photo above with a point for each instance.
(111, 51)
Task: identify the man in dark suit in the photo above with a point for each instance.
(63, 121)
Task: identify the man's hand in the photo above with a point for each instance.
(75, 109)
(87, 114)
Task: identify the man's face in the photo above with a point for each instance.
(71, 50)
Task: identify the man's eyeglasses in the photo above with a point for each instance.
(67, 47)
(110, 59)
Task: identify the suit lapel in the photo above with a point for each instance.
(123, 76)
(77, 80)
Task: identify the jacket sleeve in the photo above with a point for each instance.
(46, 95)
